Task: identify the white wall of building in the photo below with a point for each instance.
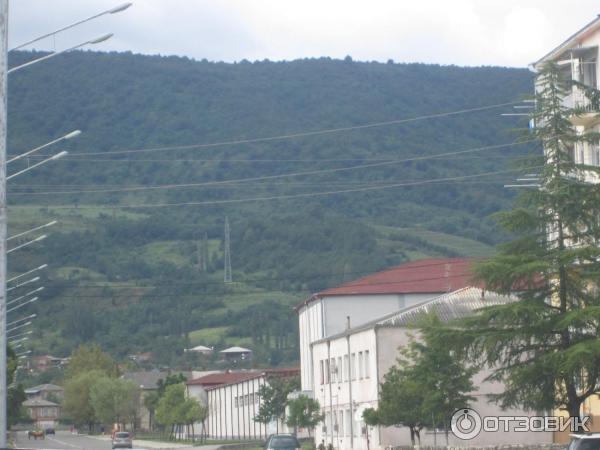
(328, 316)
(348, 390)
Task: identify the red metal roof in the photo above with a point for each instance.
(225, 378)
(416, 277)
(215, 379)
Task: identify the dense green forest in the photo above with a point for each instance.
(132, 271)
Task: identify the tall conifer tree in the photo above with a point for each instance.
(545, 347)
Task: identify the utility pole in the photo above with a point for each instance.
(3, 235)
(205, 253)
(227, 278)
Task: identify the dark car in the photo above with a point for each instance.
(122, 439)
(589, 441)
(282, 442)
(49, 431)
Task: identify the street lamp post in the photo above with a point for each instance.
(3, 116)
(66, 137)
(52, 55)
(114, 10)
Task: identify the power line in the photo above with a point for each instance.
(249, 281)
(292, 196)
(301, 134)
(280, 176)
(226, 294)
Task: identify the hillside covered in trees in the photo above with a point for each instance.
(323, 168)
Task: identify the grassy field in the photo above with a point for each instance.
(418, 243)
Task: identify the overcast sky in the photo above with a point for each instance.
(463, 32)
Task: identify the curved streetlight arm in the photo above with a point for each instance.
(34, 299)
(29, 317)
(43, 266)
(57, 156)
(114, 10)
(52, 55)
(26, 324)
(49, 224)
(26, 295)
(24, 283)
(38, 239)
(67, 136)
(27, 333)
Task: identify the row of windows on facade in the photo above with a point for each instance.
(356, 367)
(244, 400)
(44, 412)
(586, 154)
(337, 423)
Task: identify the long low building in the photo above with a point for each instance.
(233, 402)
(348, 368)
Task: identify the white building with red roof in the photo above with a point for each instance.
(360, 301)
(233, 402)
(349, 367)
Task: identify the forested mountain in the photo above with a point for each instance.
(314, 197)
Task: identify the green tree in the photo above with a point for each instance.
(274, 399)
(114, 400)
(304, 412)
(401, 400)
(427, 384)
(91, 357)
(77, 401)
(16, 394)
(170, 411)
(192, 413)
(434, 363)
(151, 400)
(545, 347)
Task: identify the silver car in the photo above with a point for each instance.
(122, 439)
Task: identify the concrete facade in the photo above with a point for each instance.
(348, 368)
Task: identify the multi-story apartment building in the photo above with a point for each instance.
(578, 59)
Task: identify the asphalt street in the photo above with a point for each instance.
(63, 440)
(68, 441)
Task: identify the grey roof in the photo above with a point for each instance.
(145, 379)
(44, 387)
(148, 379)
(236, 350)
(453, 305)
(38, 402)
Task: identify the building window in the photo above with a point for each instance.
(360, 366)
(341, 423)
(353, 366)
(333, 371)
(348, 422)
(322, 372)
(340, 370)
(346, 368)
(236, 401)
(367, 363)
(327, 371)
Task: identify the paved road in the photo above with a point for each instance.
(67, 441)
(63, 440)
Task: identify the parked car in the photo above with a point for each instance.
(122, 439)
(588, 441)
(282, 442)
(49, 431)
